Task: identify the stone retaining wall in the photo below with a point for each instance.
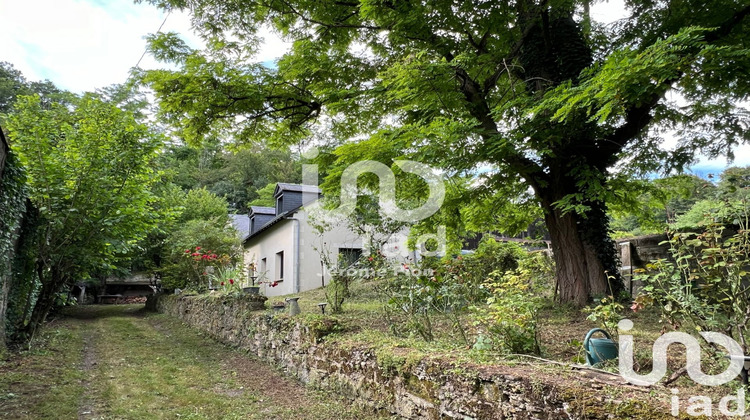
(414, 389)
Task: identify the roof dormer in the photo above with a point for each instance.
(290, 197)
(259, 216)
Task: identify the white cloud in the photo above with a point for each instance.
(81, 45)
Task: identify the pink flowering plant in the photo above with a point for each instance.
(200, 263)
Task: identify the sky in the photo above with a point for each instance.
(82, 45)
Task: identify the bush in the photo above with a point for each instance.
(184, 269)
(336, 292)
(421, 297)
(501, 282)
(510, 318)
(470, 271)
(705, 285)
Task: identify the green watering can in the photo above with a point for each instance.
(599, 349)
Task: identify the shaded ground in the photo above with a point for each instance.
(120, 362)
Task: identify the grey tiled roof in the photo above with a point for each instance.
(241, 222)
(283, 186)
(262, 210)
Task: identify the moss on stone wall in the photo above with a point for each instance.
(400, 381)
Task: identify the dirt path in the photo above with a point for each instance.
(132, 364)
(86, 408)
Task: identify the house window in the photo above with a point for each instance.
(279, 205)
(263, 266)
(280, 265)
(348, 256)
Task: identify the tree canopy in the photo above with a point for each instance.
(89, 168)
(237, 174)
(531, 93)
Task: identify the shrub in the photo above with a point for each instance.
(229, 278)
(608, 312)
(705, 285)
(336, 292)
(470, 271)
(419, 294)
(500, 281)
(510, 318)
(184, 269)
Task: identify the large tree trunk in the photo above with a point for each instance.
(585, 256)
(579, 273)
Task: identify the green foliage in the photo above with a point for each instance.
(727, 205)
(236, 174)
(201, 204)
(337, 291)
(89, 167)
(421, 298)
(445, 289)
(475, 268)
(521, 93)
(704, 285)
(702, 213)
(12, 208)
(181, 270)
(649, 206)
(25, 282)
(265, 196)
(490, 256)
(607, 312)
(13, 85)
(185, 220)
(229, 279)
(509, 320)
(510, 317)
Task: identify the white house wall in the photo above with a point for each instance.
(312, 244)
(278, 238)
(306, 266)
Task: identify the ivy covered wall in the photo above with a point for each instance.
(12, 208)
(19, 283)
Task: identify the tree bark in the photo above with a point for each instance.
(6, 275)
(571, 270)
(46, 300)
(584, 254)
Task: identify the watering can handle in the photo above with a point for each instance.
(594, 331)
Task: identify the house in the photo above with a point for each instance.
(285, 251)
